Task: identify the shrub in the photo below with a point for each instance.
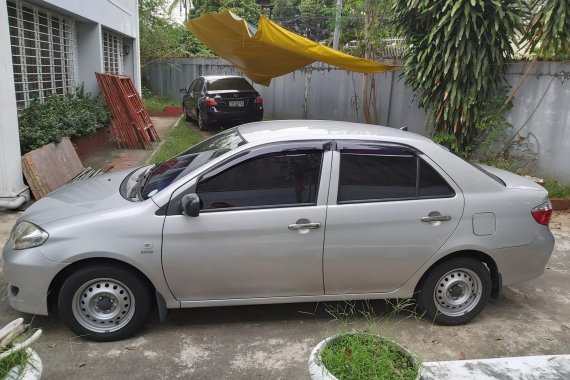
(72, 115)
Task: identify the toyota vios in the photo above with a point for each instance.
(274, 212)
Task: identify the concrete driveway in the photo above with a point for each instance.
(274, 341)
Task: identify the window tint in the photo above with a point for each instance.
(369, 176)
(431, 183)
(239, 84)
(387, 173)
(275, 179)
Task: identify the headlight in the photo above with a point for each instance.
(27, 235)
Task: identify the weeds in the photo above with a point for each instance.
(156, 103)
(367, 351)
(557, 190)
(363, 356)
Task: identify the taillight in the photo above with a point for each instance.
(542, 213)
(210, 102)
(258, 100)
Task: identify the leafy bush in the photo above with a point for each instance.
(153, 102)
(457, 59)
(557, 190)
(73, 115)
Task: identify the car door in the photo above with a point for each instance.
(390, 209)
(191, 98)
(260, 231)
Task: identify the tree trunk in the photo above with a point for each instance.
(369, 81)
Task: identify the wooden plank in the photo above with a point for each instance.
(51, 166)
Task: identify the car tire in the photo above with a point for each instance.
(202, 125)
(454, 292)
(104, 303)
(186, 116)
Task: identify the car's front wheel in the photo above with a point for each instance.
(104, 302)
(186, 116)
(455, 291)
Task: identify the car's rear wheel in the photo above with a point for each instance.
(201, 123)
(455, 291)
(104, 303)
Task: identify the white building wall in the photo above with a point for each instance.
(91, 16)
(13, 192)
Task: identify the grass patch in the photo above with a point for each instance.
(362, 356)
(17, 359)
(156, 103)
(557, 190)
(181, 137)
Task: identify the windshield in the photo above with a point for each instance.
(163, 174)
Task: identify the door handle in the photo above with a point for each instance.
(303, 226)
(435, 216)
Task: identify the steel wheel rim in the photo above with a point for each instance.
(103, 305)
(457, 292)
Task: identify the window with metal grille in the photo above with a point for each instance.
(43, 52)
(113, 53)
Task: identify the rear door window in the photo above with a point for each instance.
(385, 173)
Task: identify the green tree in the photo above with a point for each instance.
(249, 10)
(162, 38)
(549, 27)
(456, 60)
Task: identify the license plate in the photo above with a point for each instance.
(236, 103)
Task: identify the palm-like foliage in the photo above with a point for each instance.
(456, 60)
(549, 26)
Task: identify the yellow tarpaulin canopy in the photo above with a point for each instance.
(269, 51)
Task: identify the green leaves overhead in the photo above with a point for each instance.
(456, 61)
(549, 27)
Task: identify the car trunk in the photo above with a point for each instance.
(233, 100)
(514, 181)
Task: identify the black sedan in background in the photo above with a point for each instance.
(222, 100)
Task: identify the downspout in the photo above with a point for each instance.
(14, 202)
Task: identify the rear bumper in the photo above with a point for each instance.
(213, 116)
(517, 264)
(29, 274)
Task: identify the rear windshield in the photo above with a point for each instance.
(474, 164)
(169, 171)
(239, 84)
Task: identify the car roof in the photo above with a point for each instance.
(287, 130)
(216, 77)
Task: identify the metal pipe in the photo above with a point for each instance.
(14, 202)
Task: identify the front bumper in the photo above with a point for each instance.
(29, 274)
(518, 264)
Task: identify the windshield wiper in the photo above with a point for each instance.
(141, 182)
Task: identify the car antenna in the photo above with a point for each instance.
(404, 128)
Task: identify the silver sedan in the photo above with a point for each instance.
(275, 212)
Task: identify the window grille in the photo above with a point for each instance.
(43, 52)
(113, 53)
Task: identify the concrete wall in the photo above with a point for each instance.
(540, 116)
(118, 15)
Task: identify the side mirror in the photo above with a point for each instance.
(183, 90)
(191, 205)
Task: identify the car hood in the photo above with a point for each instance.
(93, 194)
(512, 180)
